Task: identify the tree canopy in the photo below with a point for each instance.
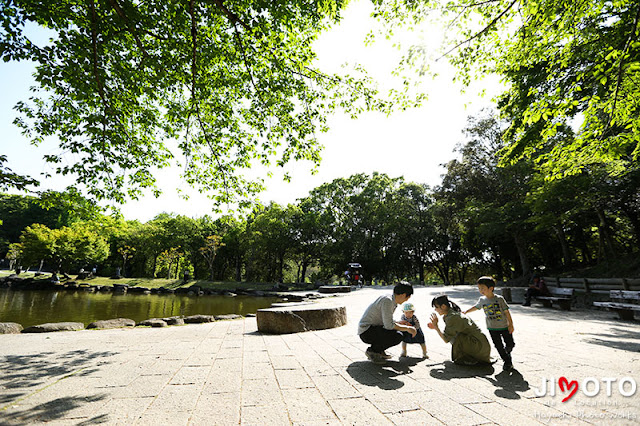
(130, 87)
(563, 61)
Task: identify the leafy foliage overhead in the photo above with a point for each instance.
(130, 87)
(564, 62)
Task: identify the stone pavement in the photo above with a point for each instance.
(228, 373)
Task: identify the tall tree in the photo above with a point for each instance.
(234, 83)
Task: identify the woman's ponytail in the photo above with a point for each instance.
(444, 300)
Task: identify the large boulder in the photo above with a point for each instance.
(10, 328)
(113, 323)
(295, 319)
(54, 326)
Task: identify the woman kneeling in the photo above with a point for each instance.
(468, 345)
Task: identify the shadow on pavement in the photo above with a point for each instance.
(509, 383)
(25, 375)
(48, 411)
(618, 338)
(28, 371)
(370, 374)
(451, 370)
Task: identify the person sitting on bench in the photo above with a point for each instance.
(537, 288)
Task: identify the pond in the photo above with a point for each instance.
(37, 307)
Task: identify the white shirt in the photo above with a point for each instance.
(379, 312)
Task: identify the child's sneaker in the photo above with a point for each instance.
(403, 355)
(507, 366)
(425, 356)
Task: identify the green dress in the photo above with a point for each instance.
(468, 344)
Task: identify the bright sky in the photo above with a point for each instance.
(413, 144)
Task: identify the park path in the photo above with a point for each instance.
(228, 373)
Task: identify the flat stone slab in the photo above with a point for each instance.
(54, 326)
(199, 319)
(112, 323)
(334, 289)
(227, 317)
(10, 328)
(295, 319)
(173, 320)
(152, 322)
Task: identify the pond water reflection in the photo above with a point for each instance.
(37, 307)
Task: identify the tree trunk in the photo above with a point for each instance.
(155, 265)
(522, 254)
(606, 244)
(303, 272)
(420, 271)
(280, 268)
(634, 218)
(566, 251)
(238, 269)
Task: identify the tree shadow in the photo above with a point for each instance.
(450, 370)
(370, 374)
(48, 411)
(25, 375)
(29, 371)
(509, 383)
(615, 339)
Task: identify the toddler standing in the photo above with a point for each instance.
(408, 318)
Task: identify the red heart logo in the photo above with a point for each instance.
(562, 382)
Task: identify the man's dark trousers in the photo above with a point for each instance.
(380, 338)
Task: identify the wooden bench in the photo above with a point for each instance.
(623, 302)
(564, 297)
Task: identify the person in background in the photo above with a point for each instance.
(537, 288)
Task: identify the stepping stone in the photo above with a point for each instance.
(112, 323)
(54, 326)
(295, 319)
(199, 319)
(152, 322)
(10, 328)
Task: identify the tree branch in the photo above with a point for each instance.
(620, 65)
(194, 97)
(232, 16)
(115, 6)
(484, 30)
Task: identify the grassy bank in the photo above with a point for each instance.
(163, 282)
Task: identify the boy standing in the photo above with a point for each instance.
(377, 327)
(499, 322)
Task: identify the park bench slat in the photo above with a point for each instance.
(563, 296)
(624, 302)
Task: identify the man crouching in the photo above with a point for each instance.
(377, 327)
